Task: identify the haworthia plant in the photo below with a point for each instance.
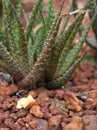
(42, 56)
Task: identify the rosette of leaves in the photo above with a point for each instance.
(42, 56)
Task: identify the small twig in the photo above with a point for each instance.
(74, 12)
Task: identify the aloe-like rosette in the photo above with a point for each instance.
(41, 56)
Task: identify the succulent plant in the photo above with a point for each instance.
(42, 56)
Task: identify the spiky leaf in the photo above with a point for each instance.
(66, 20)
(50, 13)
(74, 52)
(58, 82)
(63, 40)
(19, 7)
(8, 24)
(12, 67)
(39, 67)
(32, 18)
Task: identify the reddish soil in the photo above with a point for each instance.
(74, 107)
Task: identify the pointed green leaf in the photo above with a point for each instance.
(22, 46)
(66, 19)
(70, 40)
(74, 52)
(41, 17)
(32, 18)
(8, 23)
(62, 79)
(50, 13)
(38, 68)
(19, 7)
(40, 39)
(65, 38)
(11, 65)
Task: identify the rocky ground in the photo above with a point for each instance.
(72, 108)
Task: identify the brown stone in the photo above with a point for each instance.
(60, 104)
(43, 97)
(89, 112)
(16, 126)
(57, 111)
(4, 128)
(65, 121)
(90, 122)
(22, 113)
(35, 110)
(73, 113)
(33, 94)
(94, 85)
(33, 122)
(47, 115)
(4, 83)
(13, 116)
(28, 117)
(80, 88)
(59, 94)
(40, 90)
(55, 121)
(44, 104)
(72, 102)
(42, 125)
(90, 104)
(51, 93)
(9, 90)
(75, 124)
(4, 115)
(92, 94)
(9, 122)
(85, 65)
(21, 122)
